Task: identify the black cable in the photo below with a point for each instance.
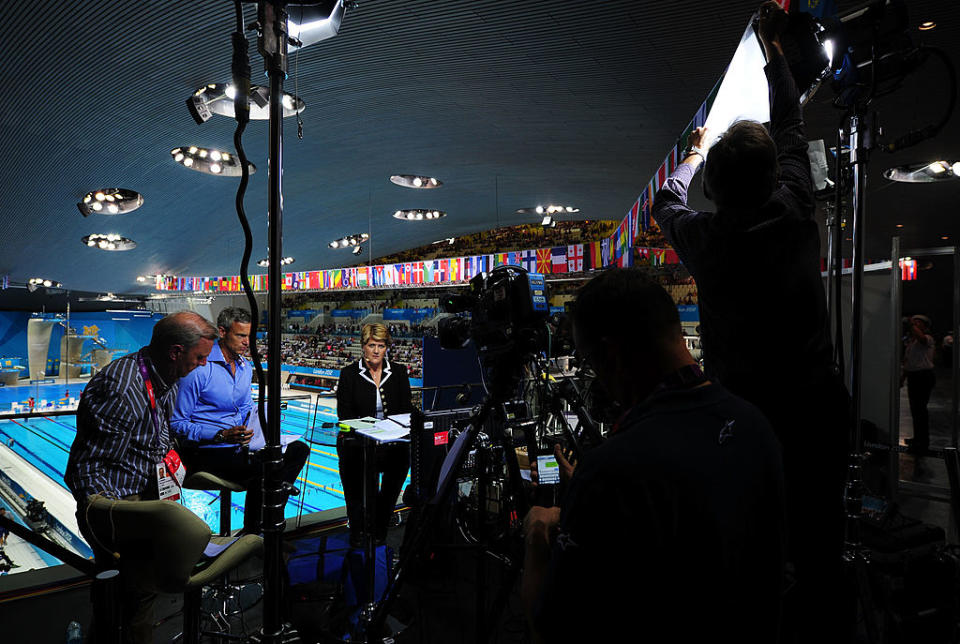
(241, 107)
(916, 136)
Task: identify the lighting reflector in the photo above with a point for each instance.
(415, 181)
(118, 201)
(418, 214)
(209, 161)
(109, 241)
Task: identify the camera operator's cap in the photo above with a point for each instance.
(922, 318)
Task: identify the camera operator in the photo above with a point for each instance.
(765, 331)
(672, 529)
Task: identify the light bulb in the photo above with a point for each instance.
(188, 162)
(417, 181)
(215, 168)
(97, 206)
(100, 196)
(230, 92)
(214, 155)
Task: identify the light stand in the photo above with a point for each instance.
(272, 45)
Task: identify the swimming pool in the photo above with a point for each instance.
(45, 442)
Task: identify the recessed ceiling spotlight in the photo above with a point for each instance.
(547, 210)
(217, 98)
(350, 240)
(109, 241)
(110, 201)
(415, 181)
(209, 161)
(928, 25)
(265, 262)
(924, 172)
(42, 281)
(418, 214)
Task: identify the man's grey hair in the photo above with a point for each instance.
(184, 328)
(232, 314)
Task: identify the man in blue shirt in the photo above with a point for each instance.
(213, 409)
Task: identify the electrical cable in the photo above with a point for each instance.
(916, 136)
(241, 106)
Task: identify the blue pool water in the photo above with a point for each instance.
(45, 442)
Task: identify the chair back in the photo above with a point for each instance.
(158, 542)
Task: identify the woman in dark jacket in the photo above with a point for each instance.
(372, 386)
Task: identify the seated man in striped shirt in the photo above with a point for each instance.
(123, 435)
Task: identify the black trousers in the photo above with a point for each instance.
(812, 422)
(919, 387)
(136, 604)
(246, 468)
(392, 460)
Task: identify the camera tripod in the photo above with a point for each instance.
(503, 386)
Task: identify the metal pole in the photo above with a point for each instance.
(893, 463)
(858, 157)
(273, 47)
(955, 407)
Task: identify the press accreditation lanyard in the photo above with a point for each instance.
(170, 470)
(148, 383)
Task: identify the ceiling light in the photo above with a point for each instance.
(548, 209)
(265, 262)
(350, 240)
(415, 181)
(547, 220)
(42, 281)
(418, 214)
(210, 161)
(928, 25)
(109, 241)
(118, 201)
(217, 98)
(924, 172)
(357, 250)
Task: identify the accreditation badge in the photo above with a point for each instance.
(170, 475)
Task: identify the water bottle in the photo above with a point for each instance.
(73, 633)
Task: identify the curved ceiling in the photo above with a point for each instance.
(510, 104)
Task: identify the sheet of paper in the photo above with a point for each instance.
(389, 429)
(743, 92)
(258, 441)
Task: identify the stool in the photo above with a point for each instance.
(208, 481)
(161, 545)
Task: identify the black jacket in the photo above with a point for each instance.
(357, 396)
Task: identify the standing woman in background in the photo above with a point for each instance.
(372, 386)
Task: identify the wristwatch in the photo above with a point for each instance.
(695, 150)
(219, 437)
